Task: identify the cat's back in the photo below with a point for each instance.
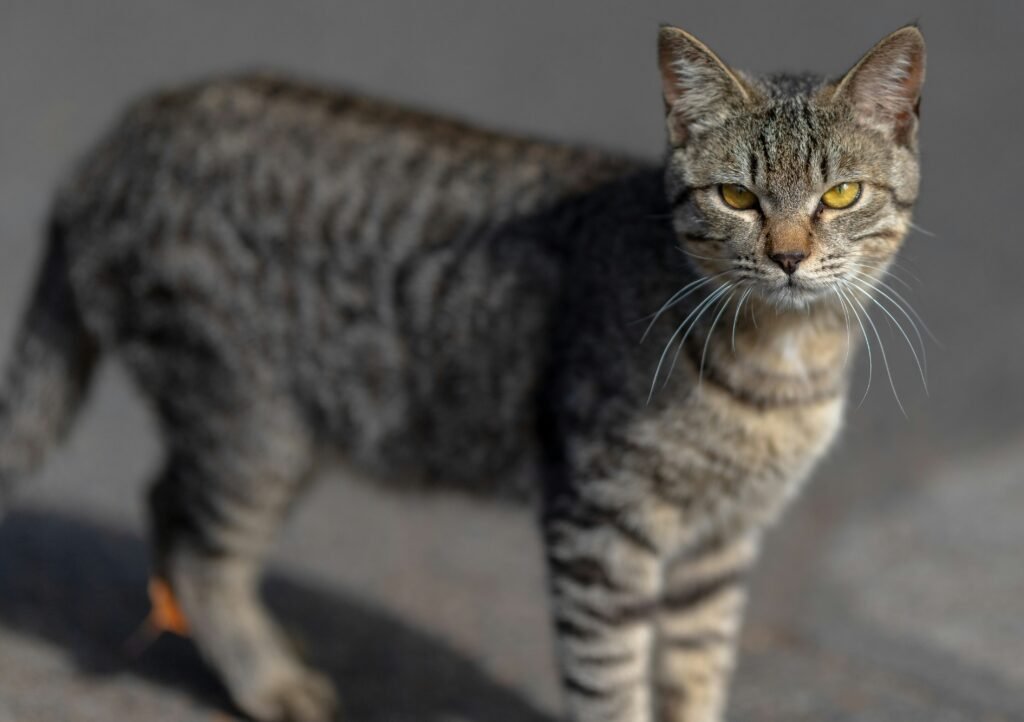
(264, 128)
(251, 169)
(383, 265)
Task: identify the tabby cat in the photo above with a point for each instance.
(658, 354)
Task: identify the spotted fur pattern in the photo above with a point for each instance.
(296, 276)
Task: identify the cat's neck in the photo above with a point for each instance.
(777, 356)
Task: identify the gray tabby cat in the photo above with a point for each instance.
(294, 275)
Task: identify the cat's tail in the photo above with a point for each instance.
(48, 373)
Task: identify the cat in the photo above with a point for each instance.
(656, 353)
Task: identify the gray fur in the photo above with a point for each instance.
(296, 276)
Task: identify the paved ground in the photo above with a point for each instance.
(893, 591)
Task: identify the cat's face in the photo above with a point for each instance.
(791, 187)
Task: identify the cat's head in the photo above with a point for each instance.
(792, 185)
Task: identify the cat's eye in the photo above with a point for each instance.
(739, 197)
(843, 195)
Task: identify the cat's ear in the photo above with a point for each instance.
(884, 88)
(699, 89)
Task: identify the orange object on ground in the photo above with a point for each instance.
(165, 614)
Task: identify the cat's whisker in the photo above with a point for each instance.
(919, 229)
(896, 263)
(867, 292)
(668, 345)
(693, 324)
(900, 302)
(679, 295)
(736, 317)
(883, 274)
(881, 347)
(909, 307)
(693, 319)
(711, 331)
(703, 258)
(904, 307)
(867, 344)
(846, 317)
(676, 297)
(881, 271)
(709, 303)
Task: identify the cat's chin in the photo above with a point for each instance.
(792, 295)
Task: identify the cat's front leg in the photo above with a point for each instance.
(644, 633)
(701, 610)
(605, 574)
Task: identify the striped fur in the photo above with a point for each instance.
(296, 276)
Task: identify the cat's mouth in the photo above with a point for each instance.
(794, 292)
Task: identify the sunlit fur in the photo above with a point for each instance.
(789, 149)
(790, 139)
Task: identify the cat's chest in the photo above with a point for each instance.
(715, 457)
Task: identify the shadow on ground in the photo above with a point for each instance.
(82, 587)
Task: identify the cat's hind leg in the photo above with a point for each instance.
(226, 485)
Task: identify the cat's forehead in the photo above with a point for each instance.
(791, 138)
(787, 140)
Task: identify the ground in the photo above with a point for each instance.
(432, 608)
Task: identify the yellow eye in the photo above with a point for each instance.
(843, 195)
(738, 196)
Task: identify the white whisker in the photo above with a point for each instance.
(678, 296)
(867, 292)
(904, 306)
(736, 318)
(920, 229)
(693, 324)
(696, 311)
(881, 348)
(703, 258)
(707, 341)
(846, 316)
(867, 345)
(894, 263)
(881, 284)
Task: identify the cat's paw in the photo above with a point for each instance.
(303, 696)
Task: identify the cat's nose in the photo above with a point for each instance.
(788, 261)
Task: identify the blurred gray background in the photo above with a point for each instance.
(894, 590)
